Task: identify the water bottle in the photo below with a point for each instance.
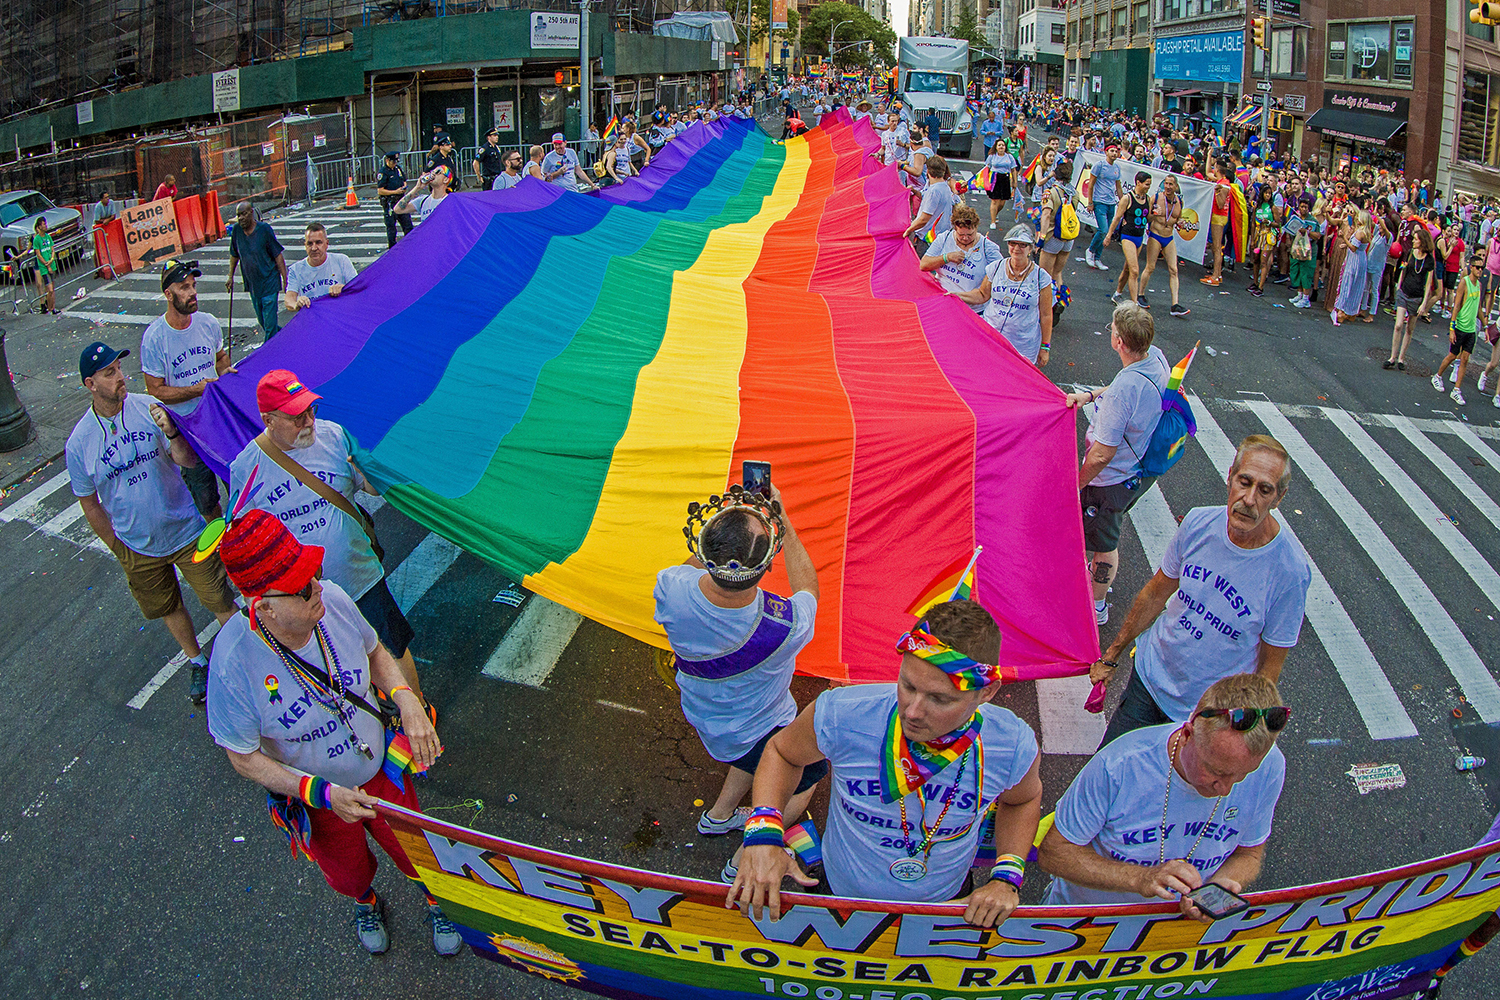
(1468, 762)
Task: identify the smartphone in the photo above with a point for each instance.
(757, 478)
(1217, 901)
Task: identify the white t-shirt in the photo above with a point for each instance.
(289, 725)
(316, 282)
(1227, 600)
(182, 357)
(569, 177)
(1125, 416)
(127, 461)
(504, 182)
(1014, 307)
(732, 713)
(424, 206)
(1115, 807)
(864, 833)
(893, 143)
(938, 201)
(969, 275)
(348, 559)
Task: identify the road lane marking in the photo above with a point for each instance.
(167, 672)
(533, 644)
(128, 319)
(1451, 469)
(1467, 435)
(1474, 679)
(1435, 520)
(1384, 716)
(623, 708)
(22, 508)
(411, 580)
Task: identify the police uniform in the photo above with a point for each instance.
(391, 178)
(491, 163)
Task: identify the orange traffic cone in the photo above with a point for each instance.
(351, 200)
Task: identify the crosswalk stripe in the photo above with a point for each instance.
(1467, 435)
(167, 672)
(1441, 630)
(1483, 575)
(533, 644)
(1449, 468)
(132, 319)
(1384, 716)
(411, 580)
(22, 508)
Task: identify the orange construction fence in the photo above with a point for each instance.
(189, 212)
(110, 253)
(213, 219)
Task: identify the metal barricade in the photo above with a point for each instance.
(21, 271)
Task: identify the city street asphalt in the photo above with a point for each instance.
(141, 865)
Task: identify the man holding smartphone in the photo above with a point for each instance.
(1163, 810)
(737, 645)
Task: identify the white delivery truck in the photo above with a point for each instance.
(933, 74)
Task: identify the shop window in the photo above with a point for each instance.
(1378, 51)
(1057, 34)
(1288, 54)
(1479, 118)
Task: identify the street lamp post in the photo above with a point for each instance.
(831, 35)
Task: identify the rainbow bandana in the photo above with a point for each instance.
(906, 766)
(966, 674)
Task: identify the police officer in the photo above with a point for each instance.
(489, 162)
(442, 156)
(391, 186)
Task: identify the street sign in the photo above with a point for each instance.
(1263, 85)
(151, 232)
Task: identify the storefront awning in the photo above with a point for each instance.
(1355, 125)
(1183, 93)
(1248, 117)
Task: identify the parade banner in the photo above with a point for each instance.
(548, 378)
(621, 932)
(1197, 205)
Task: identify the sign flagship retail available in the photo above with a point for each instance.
(1218, 57)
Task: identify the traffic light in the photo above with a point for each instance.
(1484, 13)
(566, 77)
(1260, 31)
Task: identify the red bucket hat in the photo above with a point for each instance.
(261, 555)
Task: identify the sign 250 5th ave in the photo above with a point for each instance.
(553, 31)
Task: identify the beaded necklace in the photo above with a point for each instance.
(337, 705)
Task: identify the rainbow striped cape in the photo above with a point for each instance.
(547, 378)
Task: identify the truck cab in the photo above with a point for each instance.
(933, 75)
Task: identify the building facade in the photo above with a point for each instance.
(1108, 54)
(1041, 42)
(1469, 140)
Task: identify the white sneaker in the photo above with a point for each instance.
(1484, 381)
(992, 225)
(1102, 266)
(1295, 298)
(1090, 260)
(1497, 400)
(1457, 395)
(1438, 384)
(1101, 615)
(710, 827)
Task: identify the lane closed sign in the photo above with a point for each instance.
(151, 233)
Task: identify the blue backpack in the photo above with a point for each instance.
(1169, 438)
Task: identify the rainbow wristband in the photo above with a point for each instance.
(1009, 868)
(315, 792)
(764, 828)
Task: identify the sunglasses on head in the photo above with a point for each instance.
(1242, 720)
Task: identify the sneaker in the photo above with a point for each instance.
(710, 827)
(1484, 380)
(198, 684)
(1281, 279)
(369, 924)
(729, 872)
(1256, 291)
(1140, 300)
(1119, 298)
(446, 940)
(1178, 310)
(1438, 384)
(1090, 260)
(1101, 615)
(1457, 395)
(1497, 400)
(1101, 265)
(1210, 280)
(1295, 298)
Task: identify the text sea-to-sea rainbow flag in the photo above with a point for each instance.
(630, 934)
(548, 378)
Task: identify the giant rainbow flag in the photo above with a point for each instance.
(548, 378)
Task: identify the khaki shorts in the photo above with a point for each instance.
(153, 584)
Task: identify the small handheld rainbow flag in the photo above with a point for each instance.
(803, 839)
(1030, 172)
(609, 131)
(399, 759)
(1064, 296)
(1179, 372)
(954, 583)
(985, 179)
(932, 230)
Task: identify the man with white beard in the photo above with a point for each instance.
(304, 474)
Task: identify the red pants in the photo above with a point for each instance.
(341, 849)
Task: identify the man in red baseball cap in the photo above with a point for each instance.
(290, 699)
(308, 479)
